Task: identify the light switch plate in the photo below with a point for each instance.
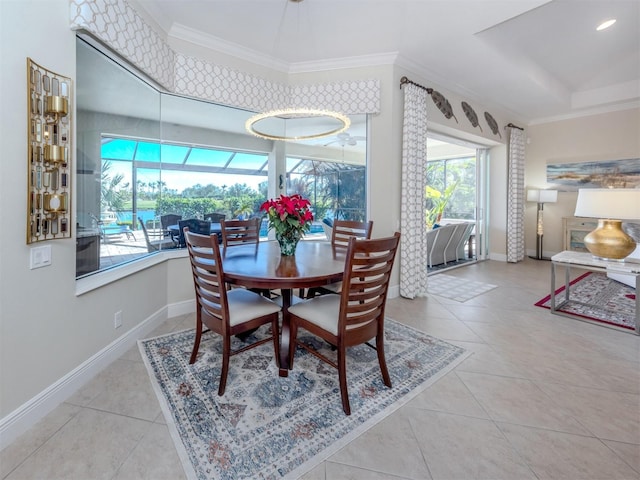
(40, 257)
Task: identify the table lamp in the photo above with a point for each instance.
(541, 197)
(610, 206)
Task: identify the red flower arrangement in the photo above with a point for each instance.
(289, 216)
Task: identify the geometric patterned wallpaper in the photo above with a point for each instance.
(359, 96)
(515, 195)
(119, 26)
(202, 79)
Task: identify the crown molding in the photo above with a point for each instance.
(181, 32)
(465, 93)
(389, 58)
(588, 112)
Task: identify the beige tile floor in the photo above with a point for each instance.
(542, 397)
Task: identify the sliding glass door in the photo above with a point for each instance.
(456, 193)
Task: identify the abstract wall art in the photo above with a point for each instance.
(600, 174)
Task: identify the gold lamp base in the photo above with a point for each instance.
(609, 241)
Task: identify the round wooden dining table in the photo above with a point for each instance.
(315, 263)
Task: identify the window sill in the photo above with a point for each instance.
(100, 279)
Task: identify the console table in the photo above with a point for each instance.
(586, 261)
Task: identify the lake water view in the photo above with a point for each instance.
(150, 216)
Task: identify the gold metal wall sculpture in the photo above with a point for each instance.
(48, 154)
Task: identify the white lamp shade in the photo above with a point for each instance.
(542, 196)
(609, 203)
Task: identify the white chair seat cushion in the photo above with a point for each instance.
(322, 311)
(245, 305)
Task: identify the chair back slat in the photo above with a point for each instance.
(366, 281)
(240, 232)
(360, 319)
(343, 230)
(237, 312)
(208, 275)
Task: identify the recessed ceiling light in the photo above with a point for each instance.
(606, 24)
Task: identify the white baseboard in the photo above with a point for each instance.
(498, 257)
(181, 308)
(545, 254)
(31, 412)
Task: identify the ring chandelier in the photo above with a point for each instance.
(290, 114)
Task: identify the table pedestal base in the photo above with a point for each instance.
(285, 334)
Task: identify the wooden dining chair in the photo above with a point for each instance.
(240, 232)
(342, 231)
(357, 314)
(225, 312)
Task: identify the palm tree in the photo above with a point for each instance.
(113, 194)
(438, 201)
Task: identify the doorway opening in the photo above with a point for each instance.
(455, 200)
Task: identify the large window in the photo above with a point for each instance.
(455, 180)
(336, 190)
(193, 181)
(143, 153)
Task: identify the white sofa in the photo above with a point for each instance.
(627, 279)
(446, 243)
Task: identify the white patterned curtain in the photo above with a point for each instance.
(413, 251)
(515, 196)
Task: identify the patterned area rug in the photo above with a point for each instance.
(596, 297)
(269, 427)
(455, 288)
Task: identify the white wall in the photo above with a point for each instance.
(607, 136)
(46, 331)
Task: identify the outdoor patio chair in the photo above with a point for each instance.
(222, 311)
(356, 315)
(436, 255)
(327, 227)
(432, 238)
(451, 249)
(169, 219)
(201, 227)
(156, 242)
(214, 217)
(465, 242)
